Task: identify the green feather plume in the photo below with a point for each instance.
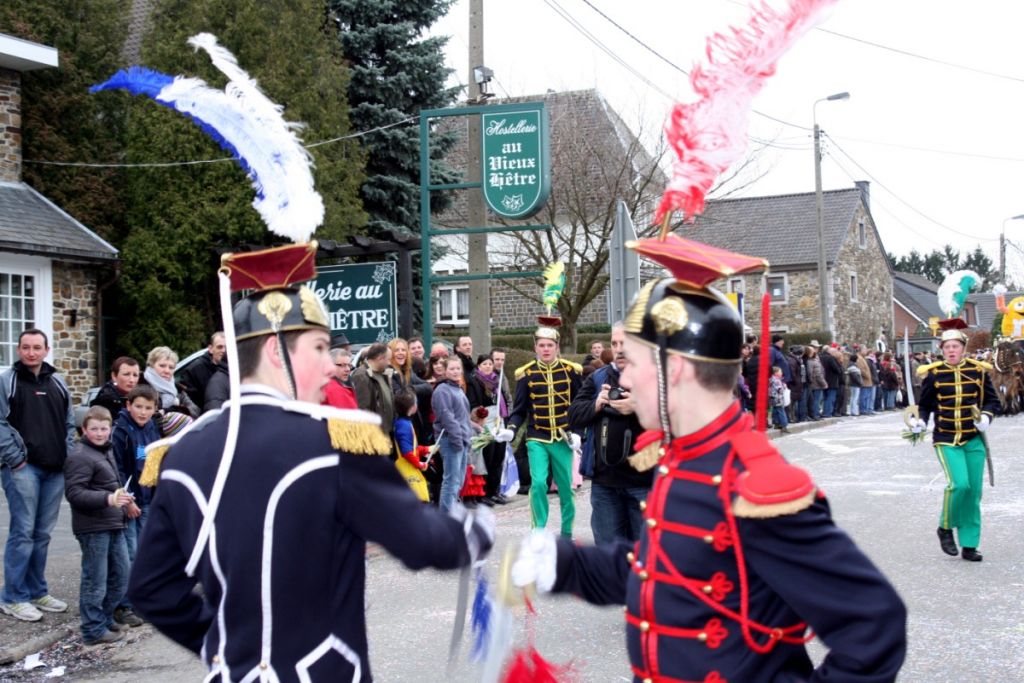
(954, 289)
(554, 283)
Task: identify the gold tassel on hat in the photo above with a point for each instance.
(154, 458)
(362, 438)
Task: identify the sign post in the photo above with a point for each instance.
(361, 300)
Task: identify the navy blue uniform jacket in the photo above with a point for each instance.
(283, 588)
(681, 584)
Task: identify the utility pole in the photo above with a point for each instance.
(1002, 257)
(479, 290)
(822, 262)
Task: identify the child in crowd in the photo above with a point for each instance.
(98, 501)
(405, 435)
(408, 450)
(777, 400)
(135, 428)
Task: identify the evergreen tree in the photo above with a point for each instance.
(182, 216)
(60, 120)
(395, 72)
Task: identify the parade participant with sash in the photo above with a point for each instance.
(959, 393)
(545, 388)
(254, 556)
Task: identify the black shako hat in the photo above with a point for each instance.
(698, 323)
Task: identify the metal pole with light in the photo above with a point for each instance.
(822, 263)
(1002, 247)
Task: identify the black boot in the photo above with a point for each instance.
(947, 542)
(971, 555)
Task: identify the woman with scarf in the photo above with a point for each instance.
(159, 374)
(482, 391)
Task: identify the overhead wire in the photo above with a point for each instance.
(676, 66)
(195, 162)
(906, 53)
(898, 198)
(575, 23)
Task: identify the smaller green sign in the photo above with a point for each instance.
(361, 300)
(516, 163)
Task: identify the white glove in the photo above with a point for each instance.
(982, 424)
(918, 426)
(478, 525)
(537, 561)
(575, 441)
(999, 290)
(504, 435)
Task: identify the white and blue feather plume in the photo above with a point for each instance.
(250, 126)
(954, 289)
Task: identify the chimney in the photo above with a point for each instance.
(865, 192)
(10, 125)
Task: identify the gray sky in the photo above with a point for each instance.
(957, 187)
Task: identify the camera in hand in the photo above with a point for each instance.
(615, 393)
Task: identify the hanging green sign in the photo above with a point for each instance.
(516, 160)
(361, 300)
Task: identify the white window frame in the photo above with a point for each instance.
(42, 270)
(785, 288)
(451, 291)
(854, 287)
(862, 234)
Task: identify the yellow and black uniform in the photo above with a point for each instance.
(952, 393)
(544, 392)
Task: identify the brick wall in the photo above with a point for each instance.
(75, 347)
(10, 125)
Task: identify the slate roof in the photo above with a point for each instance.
(985, 306)
(917, 294)
(32, 224)
(780, 228)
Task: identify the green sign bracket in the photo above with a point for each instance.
(515, 144)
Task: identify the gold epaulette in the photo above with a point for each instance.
(770, 486)
(155, 453)
(521, 371)
(575, 366)
(982, 364)
(362, 438)
(923, 369)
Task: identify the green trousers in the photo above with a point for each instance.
(558, 455)
(964, 467)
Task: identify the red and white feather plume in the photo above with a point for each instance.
(709, 135)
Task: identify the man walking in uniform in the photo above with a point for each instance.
(958, 392)
(545, 388)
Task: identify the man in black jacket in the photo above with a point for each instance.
(198, 374)
(606, 412)
(833, 378)
(37, 429)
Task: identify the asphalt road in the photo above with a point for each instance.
(966, 621)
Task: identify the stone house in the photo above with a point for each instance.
(783, 229)
(595, 159)
(52, 268)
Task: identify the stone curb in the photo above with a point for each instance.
(10, 655)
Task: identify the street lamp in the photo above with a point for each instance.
(822, 263)
(1002, 247)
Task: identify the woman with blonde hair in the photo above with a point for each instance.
(159, 374)
(401, 363)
